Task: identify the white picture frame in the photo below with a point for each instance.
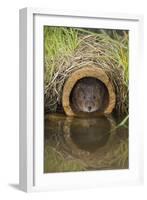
(31, 100)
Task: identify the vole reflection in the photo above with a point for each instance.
(90, 134)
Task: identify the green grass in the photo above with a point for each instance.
(61, 42)
(124, 122)
(66, 49)
(58, 42)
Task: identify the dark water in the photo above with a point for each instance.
(79, 144)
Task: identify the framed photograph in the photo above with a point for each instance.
(80, 124)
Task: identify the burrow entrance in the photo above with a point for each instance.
(89, 95)
(88, 90)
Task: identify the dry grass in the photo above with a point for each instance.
(68, 49)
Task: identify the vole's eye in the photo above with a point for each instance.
(94, 97)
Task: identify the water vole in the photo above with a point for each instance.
(88, 95)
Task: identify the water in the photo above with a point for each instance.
(81, 144)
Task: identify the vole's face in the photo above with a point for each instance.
(88, 98)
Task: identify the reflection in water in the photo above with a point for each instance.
(90, 134)
(79, 144)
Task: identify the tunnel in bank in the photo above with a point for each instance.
(88, 90)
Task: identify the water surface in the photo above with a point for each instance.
(86, 143)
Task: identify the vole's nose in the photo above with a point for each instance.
(89, 108)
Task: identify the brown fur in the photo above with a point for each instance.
(88, 95)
